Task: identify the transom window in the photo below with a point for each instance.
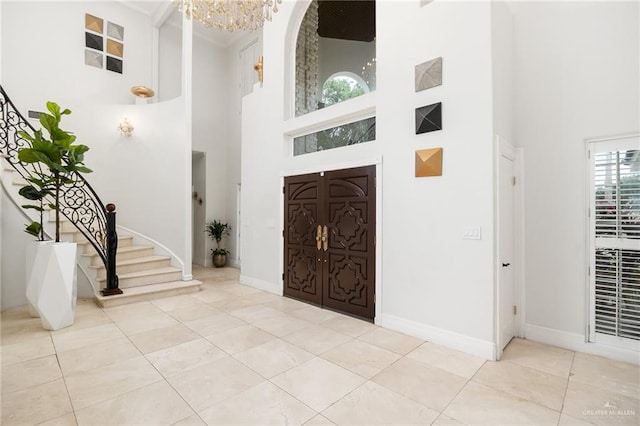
(335, 53)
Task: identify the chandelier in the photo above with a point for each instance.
(229, 15)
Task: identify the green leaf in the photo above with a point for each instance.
(53, 206)
(66, 111)
(54, 109)
(25, 135)
(33, 229)
(61, 137)
(38, 182)
(59, 167)
(31, 206)
(49, 122)
(28, 155)
(82, 169)
(30, 193)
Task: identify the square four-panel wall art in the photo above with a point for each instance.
(428, 118)
(104, 44)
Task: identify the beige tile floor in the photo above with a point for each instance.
(234, 355)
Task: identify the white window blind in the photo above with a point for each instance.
(615, 222)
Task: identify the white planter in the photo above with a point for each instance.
(33, 255)
(52, 285)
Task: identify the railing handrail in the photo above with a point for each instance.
(80, 203)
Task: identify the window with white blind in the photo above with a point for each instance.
(615, 249)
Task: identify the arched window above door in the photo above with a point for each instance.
(335, 52)
(342, 86)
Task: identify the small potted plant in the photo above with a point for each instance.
(216, 230)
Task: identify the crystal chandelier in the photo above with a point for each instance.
(229, 15)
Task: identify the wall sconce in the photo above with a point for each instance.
(125, 127)
(259, 68)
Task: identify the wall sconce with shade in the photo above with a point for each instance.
(125, 127)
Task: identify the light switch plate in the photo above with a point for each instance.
(472, 233)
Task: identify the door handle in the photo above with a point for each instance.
(319, 237)
(504, 265)
(325, 238)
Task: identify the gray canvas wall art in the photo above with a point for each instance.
(429, 74)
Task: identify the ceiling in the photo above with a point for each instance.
(148, 7)
(347, 19)
(156, 9)
(340, 19)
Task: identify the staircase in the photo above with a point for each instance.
(143, 273)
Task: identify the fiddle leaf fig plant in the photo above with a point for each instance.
(58, 158)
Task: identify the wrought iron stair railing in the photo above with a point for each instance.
(79, 203)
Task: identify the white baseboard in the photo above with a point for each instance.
(460, 342)
(576, 342)
(202, 261)
(261, 285)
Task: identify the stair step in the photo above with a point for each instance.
(74, 235)
(134, 265)
(77, 237)
(141, 278)
(65, 225)
(7, 166)
(149, 292)
(124, 253)
(88, 250)
(18, 180)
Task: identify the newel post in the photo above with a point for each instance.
(112, 250)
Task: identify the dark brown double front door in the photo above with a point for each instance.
(329, 240)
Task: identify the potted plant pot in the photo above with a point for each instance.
(216, 230)
(52, 285)
(219, 257)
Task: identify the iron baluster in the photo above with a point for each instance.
(78, 202)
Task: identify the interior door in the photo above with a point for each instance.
(329, 240)
(506, 319)
(349, 284)
(302, 268)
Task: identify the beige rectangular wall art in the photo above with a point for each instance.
(429, 162)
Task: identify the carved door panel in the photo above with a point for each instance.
(349, 279)
(338, 233)
(302, 277)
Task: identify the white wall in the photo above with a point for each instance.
(43, 46)
(432, 278)
(576, 74)
(502, 48)
(432, 282)
(141, 174)
(169, 60)
(234, 74)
